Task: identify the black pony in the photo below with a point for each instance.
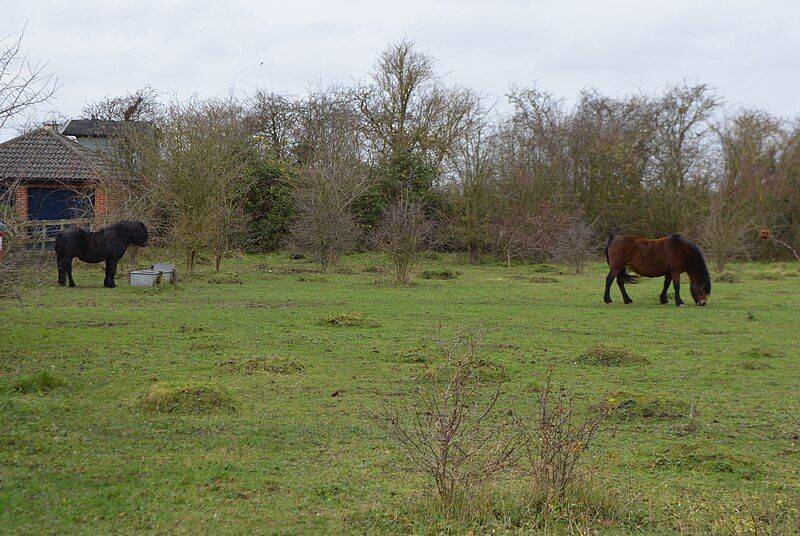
(107, 244)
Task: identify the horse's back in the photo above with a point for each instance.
(68, 241)
(646, 257)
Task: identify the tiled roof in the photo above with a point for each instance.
(96, 128)
(46, 155)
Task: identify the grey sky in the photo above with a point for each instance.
(748, 50)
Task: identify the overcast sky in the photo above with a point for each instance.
(748, 50)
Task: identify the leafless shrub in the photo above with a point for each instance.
(764, 234)
(575, 245)
(561, 438)
(403, 234)
(529, 233)
(726, 229)
(10, 226)
(450, 432)
(760, 516)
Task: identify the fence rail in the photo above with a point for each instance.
(41, 232)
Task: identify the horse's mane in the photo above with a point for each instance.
(133, 230)
(695, 262)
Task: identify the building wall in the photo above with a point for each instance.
(21, 202)
(105, 202)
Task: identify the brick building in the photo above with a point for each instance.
(55, 176)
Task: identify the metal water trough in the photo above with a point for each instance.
(168, 272)
(144, 278)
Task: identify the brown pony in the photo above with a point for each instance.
(668, 257)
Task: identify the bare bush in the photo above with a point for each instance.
(403, 234)
(451, 432)
(575, 245)
(560, 440)
(725, 231)
(529, 232)
(764, 234)
(10, 225)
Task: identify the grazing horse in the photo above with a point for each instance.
(107, 244)
(668, 257)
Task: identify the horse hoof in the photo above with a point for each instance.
(681, 305)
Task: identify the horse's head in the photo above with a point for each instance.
(695, 266)
(137, 233)
(700, 291)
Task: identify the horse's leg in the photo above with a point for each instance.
(68, 269)
(621, 284)
(111, 271)
(612, 273)
(667, 281)
(676, 284)
(62, 273)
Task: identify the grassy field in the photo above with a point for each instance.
(292, 448)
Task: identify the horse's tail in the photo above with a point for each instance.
(608, 245)
(59, 245)
(629, 278)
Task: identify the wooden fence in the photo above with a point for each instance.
(37, 234)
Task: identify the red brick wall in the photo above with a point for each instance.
(101, 206)
(21, 202)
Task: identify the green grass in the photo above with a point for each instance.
(262, 396)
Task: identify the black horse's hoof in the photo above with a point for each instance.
(628, 302)
(72, 284)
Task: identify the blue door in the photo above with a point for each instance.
(55, 204)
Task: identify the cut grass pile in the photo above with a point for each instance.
(728, 277)
(641, 406)
(39, 382)
(444, 274)
(275, 365)
(225, 278)
(350, 319)
(186, 399)
(611, 356)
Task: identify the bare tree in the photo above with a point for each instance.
(23, 84)
(404, 232)
(411, 119)
(331, 176)
(141, 105)
(275, 120)
(473, 185)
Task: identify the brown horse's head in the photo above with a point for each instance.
(700, 291)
